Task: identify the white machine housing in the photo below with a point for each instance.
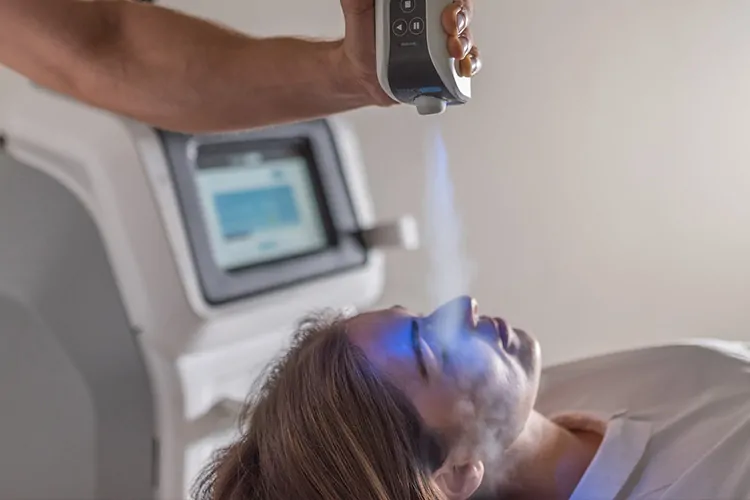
(119, 379)
(413, 63)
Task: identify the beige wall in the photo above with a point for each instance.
(603, 169)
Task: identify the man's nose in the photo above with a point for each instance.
(461, 312)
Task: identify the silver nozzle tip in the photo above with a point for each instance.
(429, 105)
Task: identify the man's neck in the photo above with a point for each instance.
(547, 461)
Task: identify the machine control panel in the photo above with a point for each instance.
(412, 73)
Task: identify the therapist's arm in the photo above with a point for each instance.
(175, 71)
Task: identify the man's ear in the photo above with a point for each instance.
(458, 481)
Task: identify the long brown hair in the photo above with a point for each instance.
(325, 425)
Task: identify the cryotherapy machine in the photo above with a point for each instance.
(147, 277)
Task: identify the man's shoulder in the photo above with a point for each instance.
(657, 358)
(642, 377)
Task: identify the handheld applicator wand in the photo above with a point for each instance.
(414, 66)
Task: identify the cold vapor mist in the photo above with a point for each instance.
(449, 276)
(449, 268)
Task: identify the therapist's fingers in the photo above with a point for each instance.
(456, 20)
(457, 17)
(460, 46)
(471, 64)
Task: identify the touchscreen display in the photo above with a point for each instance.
(259, 204)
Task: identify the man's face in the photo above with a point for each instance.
(471, 377)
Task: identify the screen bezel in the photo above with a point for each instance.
(272, 145)
(346, 248)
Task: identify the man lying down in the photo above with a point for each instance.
(389, 405)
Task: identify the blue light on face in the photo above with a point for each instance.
(449, 320)
(397, 342)
(459, 352)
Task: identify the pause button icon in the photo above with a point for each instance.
(416, 26)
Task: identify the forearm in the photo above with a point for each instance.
(172, 70)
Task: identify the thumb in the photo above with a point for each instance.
(357, 7)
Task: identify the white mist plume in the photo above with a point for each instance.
(449, 276)
(449, 269)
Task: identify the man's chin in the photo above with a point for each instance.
(529, 355)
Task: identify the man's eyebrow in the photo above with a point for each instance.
(415, 343)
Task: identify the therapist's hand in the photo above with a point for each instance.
(359, 42)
